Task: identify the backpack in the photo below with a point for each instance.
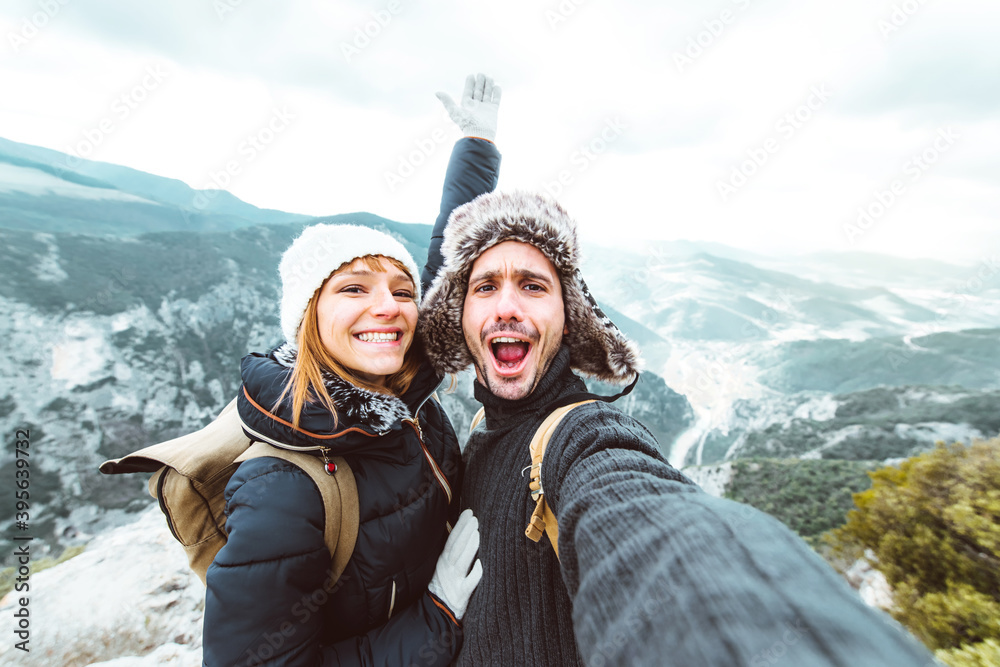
(189, 480)
(542, 519)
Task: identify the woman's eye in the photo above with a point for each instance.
(352, 289)
(406, 294)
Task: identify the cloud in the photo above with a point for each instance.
(360, 78)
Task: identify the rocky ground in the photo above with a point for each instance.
(129, 600)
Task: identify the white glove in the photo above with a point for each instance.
(453, 582)
(477, 117)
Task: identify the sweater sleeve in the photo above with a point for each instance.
(657, 567)
(266, 585)
(473, 170)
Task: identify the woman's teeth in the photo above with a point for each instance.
(378, 337)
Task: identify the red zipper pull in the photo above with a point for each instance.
(329, 466)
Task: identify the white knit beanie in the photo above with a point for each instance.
(317, 253)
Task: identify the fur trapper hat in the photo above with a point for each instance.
(319, 251)
(597, 347)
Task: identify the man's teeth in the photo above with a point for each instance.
(372, 337)
(505, 339)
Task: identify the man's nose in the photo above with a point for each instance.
(509, 304)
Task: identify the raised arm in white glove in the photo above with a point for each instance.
(453, 582)
(477, 115)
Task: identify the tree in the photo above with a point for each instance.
(934, 526)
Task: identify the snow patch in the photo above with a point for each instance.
(870, 583)
(712, 479)
(47, 268)
(81, 356)
(822, 408)
(121, 322)
(130, 590)
(168, 654)
(939, 431)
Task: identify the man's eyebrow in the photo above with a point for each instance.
(484, 275)
(520, 274)
(533, 275)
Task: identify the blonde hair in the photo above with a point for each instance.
(306, 380)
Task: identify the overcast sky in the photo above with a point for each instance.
(762, 124)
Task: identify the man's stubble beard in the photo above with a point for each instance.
(540, 370)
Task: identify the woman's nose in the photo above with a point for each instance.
(385, 304)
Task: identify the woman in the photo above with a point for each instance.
(349, 377)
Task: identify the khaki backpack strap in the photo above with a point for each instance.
(477, 418)
(542, 519)
(340, 501)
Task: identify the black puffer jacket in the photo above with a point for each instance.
(265, 603)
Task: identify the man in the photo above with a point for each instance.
(650, 569)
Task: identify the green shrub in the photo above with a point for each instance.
(934, 526)
(983, 654)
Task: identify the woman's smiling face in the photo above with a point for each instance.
(367, 318)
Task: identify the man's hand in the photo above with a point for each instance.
(477, 116)
(453, 582)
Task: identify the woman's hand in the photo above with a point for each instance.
(477, 116)
(453, 582)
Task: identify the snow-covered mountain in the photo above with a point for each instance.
(129, 304)
(48, 191)
(129, 300)
(118, 341)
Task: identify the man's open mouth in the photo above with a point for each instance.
(509, 353)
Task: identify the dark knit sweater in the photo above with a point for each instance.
(654, 571)
(521, 613)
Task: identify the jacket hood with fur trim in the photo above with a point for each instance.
(597, 347)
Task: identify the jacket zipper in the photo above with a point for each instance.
(392, 599)
(438, 475)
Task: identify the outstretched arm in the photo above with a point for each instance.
(475, 161)
(657, 567)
